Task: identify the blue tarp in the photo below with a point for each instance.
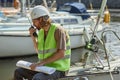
(78, 8)
(6, 1)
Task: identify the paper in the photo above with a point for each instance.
(44, 69)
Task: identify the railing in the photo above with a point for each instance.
(103, 34)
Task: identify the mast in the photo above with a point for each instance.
(5, 3)
(23, 7)
(45, 4)
(28, 4)
(79, 1)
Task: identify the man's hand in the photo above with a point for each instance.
(32, 30)
(34, 65)
(33, 35)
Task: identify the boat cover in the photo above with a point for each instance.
(2, 16)
(2, 1)
(77, 8)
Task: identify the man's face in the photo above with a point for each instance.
(37, 23)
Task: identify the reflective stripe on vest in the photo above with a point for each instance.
(51, 50)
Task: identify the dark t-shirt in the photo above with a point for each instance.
(61, 37)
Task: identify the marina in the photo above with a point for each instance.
(8, 65)
(14, 29)
(98, 59)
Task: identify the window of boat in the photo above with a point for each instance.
(70, 21)
(56, 21)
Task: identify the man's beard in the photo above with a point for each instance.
(43, 24)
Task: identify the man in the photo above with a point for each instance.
(52, 46)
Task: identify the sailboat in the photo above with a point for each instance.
(16, 41)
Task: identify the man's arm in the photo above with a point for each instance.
(32, 30)
(56, 56)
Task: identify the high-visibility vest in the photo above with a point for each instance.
(48, 47)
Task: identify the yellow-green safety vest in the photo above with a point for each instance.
(48, 47)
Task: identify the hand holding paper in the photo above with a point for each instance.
(44, 69)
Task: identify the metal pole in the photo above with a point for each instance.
(45, 4)
(79, 1)
(28, 4)
(5, 3)
(23, 7)
(99, 16)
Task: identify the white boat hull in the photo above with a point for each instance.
(16, 44)
(16, 41)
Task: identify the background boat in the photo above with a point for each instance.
(16, 41)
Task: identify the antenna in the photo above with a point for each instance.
(45, 4)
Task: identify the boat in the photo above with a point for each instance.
(15, 38)
(16, 41)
